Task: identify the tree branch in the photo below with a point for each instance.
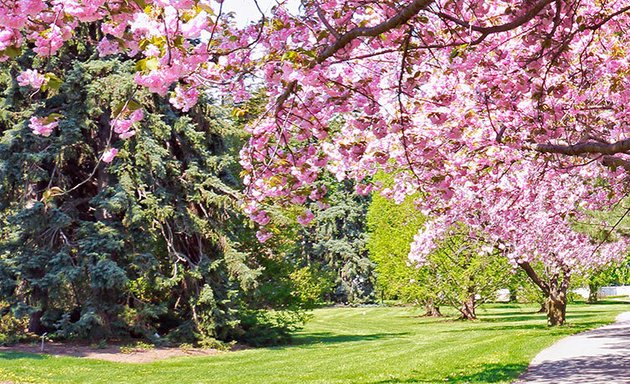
(503, 27)
(616, 162)
(608, 18)
(534, 277)
(402, 17)
(592, 147)
(322, 17)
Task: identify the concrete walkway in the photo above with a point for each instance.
(593, 357)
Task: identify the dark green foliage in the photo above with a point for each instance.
(148, 245)
(263, 328)
(338, 241)
(323, 262)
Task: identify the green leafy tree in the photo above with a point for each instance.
(338, 243)
(392, 227)
(465, 271)
(462, 271)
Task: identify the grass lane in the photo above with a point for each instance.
(349, 345)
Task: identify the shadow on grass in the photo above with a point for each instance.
(332, 338)
(567, 329)
(489, 373)
(530, 317)
(20, 355)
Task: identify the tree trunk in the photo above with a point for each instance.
(468, 308)
(556, 308)
(35, 324)
(592, 294)
(555, 291)
(431, 309)
(513, 298)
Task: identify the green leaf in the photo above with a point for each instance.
(141, 3)
(53, 82)
(130, 106)
(149, 64)
(12, 52)
(53, 117)
(50, 193)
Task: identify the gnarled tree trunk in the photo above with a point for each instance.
(556, 307)
(468, 307)
(431, 310)
(555, 291)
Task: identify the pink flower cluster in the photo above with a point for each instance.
(108, 155)
(123, 126)
(184, 99)
(42, 126)
(31, 78)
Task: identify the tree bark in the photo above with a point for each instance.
(555, 291)
(468, 308)
(35, 323)
(592, 294)
(557, 299)
(556, 308)
(431, 310)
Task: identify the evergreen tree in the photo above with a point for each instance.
(147, 244)
(339, 242)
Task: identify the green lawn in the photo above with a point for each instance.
(348, 345)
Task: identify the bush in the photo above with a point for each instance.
(264, 327)
(12, 328)
(311, 285)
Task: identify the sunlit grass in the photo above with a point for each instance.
(349, 345)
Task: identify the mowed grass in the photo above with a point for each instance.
(349, 345)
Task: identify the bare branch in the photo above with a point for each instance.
(534, 277)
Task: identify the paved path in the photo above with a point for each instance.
(593, 357)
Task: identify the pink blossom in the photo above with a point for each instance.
(31, 78)
(42, 126)
(184, 99)
(136, 115)
(109, 155)
(261, 217)
(263, 235)
(107, 47)
(306, 218)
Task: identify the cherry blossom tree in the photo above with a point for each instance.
(510, 116)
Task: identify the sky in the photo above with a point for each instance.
(246, 11)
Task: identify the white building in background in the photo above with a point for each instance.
(503, 295)
(623, 290)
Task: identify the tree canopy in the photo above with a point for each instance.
(510, 116)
